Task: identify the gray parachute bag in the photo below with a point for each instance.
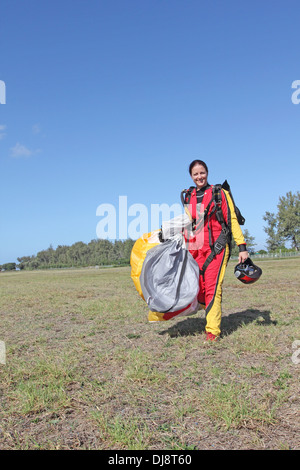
(169, 277)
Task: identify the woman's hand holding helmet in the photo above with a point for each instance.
(243, 255)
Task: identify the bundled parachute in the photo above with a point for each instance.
(164, 272)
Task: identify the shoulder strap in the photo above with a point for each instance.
(216, 199)
(186, 195)
(217, 194)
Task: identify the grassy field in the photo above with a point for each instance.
(85, 370)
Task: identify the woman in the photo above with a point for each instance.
(215, 221)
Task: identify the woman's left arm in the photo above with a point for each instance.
(235, 228)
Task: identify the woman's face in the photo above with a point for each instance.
(199, 176)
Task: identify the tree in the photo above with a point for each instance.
(285, 225)
(274, 242)
(9, 266)
(249, 241)
(289, 218)
(24, 261)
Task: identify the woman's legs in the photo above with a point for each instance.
(210, 292)
(213, 278)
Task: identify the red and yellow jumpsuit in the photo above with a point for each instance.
(199, 245)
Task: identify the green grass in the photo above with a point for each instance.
(85, 370)
(39, 386)
(230, 404)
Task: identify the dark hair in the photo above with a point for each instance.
(197, 162)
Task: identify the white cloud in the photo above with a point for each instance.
(36, 129)
(20, 151)
(2, 128)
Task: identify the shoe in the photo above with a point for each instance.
(211, 337)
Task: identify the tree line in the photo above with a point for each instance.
(96, 252)
(282, 226)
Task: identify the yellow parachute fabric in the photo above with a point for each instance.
(138, 255)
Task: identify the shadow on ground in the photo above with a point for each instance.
(229, 324)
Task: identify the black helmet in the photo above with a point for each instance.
(247, 272)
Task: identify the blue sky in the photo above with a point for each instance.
(109, 98)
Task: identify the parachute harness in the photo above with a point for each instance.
(225, 236)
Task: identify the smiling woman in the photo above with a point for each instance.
(214, 224)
